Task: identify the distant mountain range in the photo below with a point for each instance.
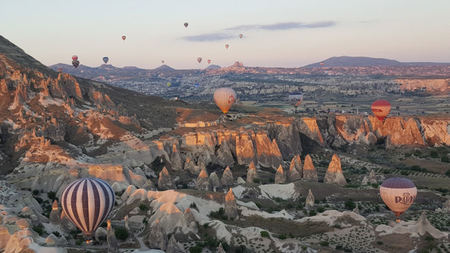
(359, 61)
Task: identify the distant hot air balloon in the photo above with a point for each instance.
(296, 99)
(162, 61)
(224, 98)
(197, 85)
(209, 61)
(241, 36)
(381, 109)
(105, 59)
(398, 194)
(124, 37)
(186, 24)
(87, 202)
(169, 84)
(74, 58)
(199, 59)
(227, 46)
(76, 63)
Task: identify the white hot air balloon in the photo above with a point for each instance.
(224, 98)
(398, 194)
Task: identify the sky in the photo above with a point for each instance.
(277, 33)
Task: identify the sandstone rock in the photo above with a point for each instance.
(309, 202)
(100, 234)
(203, 181)
(370, 179)
(119, 187)
(224, 155)
(113, 244)
(446, 206)
(220, 249)
(268, 153)
(54, 213)
(190, 165)
(356, 209)
(309, 171)
(175, 159)
(245, 152)
(280, 176)
(251, 173)
(214, 181)
(231, 210)
(295, 169)
(334, 173)
(424, 227)
(66, 224)
(227, 178)
(240, 180)
(165, 180)
(130, 190)
(173, 246)
(51, 240)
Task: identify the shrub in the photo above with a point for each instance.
(39, 229)
(320, 210)
(379, 242)
(312, 213)
(143, 207)
(282, 237)
(220, 215)
(324, 243)
(51, 195)
(121, 233)
(445, 159)
(195, 249)
(447, 173)
(265, 234)
(349, 204)
(35, 192)
(193, 206)
(434, 154)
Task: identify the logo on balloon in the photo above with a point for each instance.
(406, 199)
(231, 99)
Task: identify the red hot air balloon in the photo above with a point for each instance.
(224, 98)
(381, 109)
(209, 61)
(74, 58)
(241, 36)
(87, 202)
(199, 59)
(186, 24)
(398, 194)
(227, 46)
(124, 37)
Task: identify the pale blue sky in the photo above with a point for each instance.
(277, 33)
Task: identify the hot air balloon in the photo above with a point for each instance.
(169, 84)
(186, 24)
(321, 64)
(398, 194)
(105, 59)
(209, 61)
(162, 61)
(241, 36)
(227, 46)
(296, 99)
(197, 85)
(75, 63)
(74, 58)
(124, 37)
(87, 202)
(199, 59)
(381, 109)
(224, 98)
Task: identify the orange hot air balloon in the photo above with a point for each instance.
(398, 194)
(227, 46)
(241, 36)
(186, 24)
(224, 98)
(381, 109)
(209, 61)
(199, 59)
(124, 37)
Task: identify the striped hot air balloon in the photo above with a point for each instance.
(87, 202)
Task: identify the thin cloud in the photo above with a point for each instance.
(226, 35)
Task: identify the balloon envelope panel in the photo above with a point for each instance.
(224, 98)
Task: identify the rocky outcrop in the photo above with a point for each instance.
(214, 181)
(446, 206)
(370, 179)
(268, 154)
(245, 151)
(113, 244)
(334, 174)
(54, 213)
(227, 179)
(202, 183)
(309, 202)
(295, 169)
(424, 227)
(251, 173)
(309, 171)
(280, 176)
(173, 246)
(231, 210)
(220, 249)
(165, 180)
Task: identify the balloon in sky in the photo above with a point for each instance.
(76, 63)
(296, 99)
(105, 59)
(87, 202)
(162, 61)
(224, 98)
(74, 57)
(398, 194)
(186, 24)
(169, 84)
(124, 37)
(381, 109)
(241, 36)
(199, 59)
(209, 61)
(227, 46)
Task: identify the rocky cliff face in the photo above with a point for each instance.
(309, 171)
(334, 174)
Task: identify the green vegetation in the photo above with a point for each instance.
(195, 249)
(324, 243)
(312, 213)
(445, 159)
(39, 229)
(51, 195)
(349, 204)
(193, 206)
(265, 234)
(447, 173)
(35, 192)
(121, 233)
(220, 215)
(143, 207)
